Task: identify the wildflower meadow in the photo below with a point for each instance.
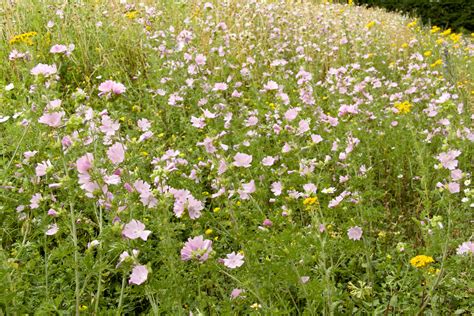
(233, 157)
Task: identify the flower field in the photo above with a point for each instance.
(233, 158)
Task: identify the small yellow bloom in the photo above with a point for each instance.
(216, 209)
(421, 261)
(446, 33)
(403, 107)
(23, 38)
(310, 201)
(131, 15)
(144, 154)
(208, 231)
(370, 25)
(412, 24)
(435, 29)
(455, 37)
(437, 63)
(404, 45)
(427, 53)
(440, 41)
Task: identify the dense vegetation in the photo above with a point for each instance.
(233, 157)
(455, 14)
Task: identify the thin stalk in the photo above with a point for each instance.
(122, 289)
(77, 289)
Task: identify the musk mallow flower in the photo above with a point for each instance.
(242, 160)
(109, 87)
(448, 159)
(236, 293)
(354, 233)
(116, 153)
(52, 229)
(196, 248)
(43, 167)
(135, 229)
(139, 275)
(465, 248)
(234, 260)
(44, 70)
(52, 119)
(84, 163)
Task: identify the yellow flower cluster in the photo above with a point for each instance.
(131, 15)
(23, 38)
(438, 62)
(412, 24)
(403, 107)
(310, 201)
(370, 24)
(421, 261)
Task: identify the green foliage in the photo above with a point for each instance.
(455, 14)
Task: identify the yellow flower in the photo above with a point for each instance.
(403, 107)
(23, 38)
(421, 261)
(412, 24)
(437, 63)
(435, 29)
(131, 15)
(446, 33)
(217, 209)
(455, 37)
(208, 231)
(370, 24)
(310, 201)
(433, 271)
(427, 53)
(350, 2)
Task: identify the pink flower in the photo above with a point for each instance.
(267, 223)
(135, 229)
(200, 60)
(84, 163)
(268, 161)
(236, 293)
(304, 279)
(52, 229)
(116, 153)
(247, 189)
(220, 86)
(291, 114)
(51, 119)
(448, 159)
(185, 200)
(242, 160)
(276, 188)
(456, 174)
(109, 127)
(111, 87)
(354, 233)
(234, 260)
(35, 200)
(58, 49)
(196, 248)
(454, 187)
(271, 85)
(43, 69)
(42, 168)
(139, 275)
(465, 248)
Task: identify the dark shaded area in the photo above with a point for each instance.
(455, 14)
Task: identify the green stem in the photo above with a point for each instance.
(124, 280)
